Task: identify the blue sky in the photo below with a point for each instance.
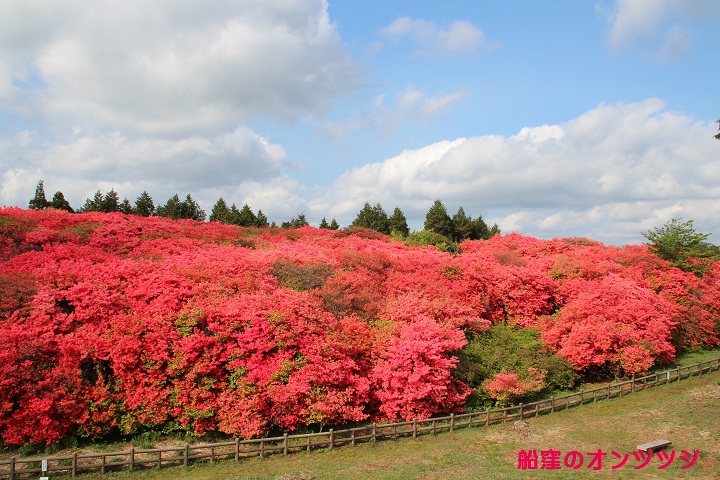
(552, 118)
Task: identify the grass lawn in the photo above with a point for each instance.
(685, 413)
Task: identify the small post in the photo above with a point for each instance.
(332, 438)
(132, 458)
(44, 467)
(102, 465)
(186, 455)
(12, 468)
(521, 411)
(308, 444)
(237, 449)
(285, 444)
(452, 422)
(552, 404)
(352, 437)
(74, 465)
(374, 432)
(487, 417)
(262, 448)
(582, 396)
(159, 464)
(414, 428)
(212, 453)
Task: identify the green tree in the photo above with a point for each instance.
(220, 211)
(462, 226)
(171, 209)
(398, 223)
(437, 220)
(60, 203)
(191, 209)
(125, 207)
(144, 205)
(324, 224)
(373, 218)
(683, 247)
(39, 201)
(111, 202)
(298, 222)
(334, 225)
(262, 220)
(95, 204)
(246, 217)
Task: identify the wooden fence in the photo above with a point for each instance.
(135, 459)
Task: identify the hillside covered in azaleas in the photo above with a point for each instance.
(118, 323)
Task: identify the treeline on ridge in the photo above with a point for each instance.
(440, 229)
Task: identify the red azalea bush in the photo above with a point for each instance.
(117, 323)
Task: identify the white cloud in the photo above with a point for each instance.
(662, 26)
(174, 67)
(606, 174)
(460, 37)
(157, 165)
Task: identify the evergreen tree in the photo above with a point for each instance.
(125, 207)
(262, 220)
(462, 226)
(94, 205)
(494, 230)
(39, 201)
(144, 205)
(220, 211)
(334, 224)
(480, 230)
(398, 223)
(111, 202)
(60, 203)
(437, 220)
(324, 224)
(171, 209)
(233, 216)
(191, 209)
(247, 218)
(298, 222)
(373, 218)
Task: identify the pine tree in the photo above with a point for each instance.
(220, 211)
(125, 207)
(39, 202)
(462, 225)
(437, 220)
(373, 218)
(94, 205)
(262, 220)
(60, 203)
(111, 202)
(190, 209)
(144, 205)
(171, 209)
(480, 230)
(334, 225)
(324, 224)
(247, 218)
(398, 223)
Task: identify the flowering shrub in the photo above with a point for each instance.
(113, 323)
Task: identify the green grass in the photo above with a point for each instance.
(683, 412)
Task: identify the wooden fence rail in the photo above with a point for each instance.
(136, 459)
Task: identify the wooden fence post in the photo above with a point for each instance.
(521, 411)
(374, 432)
(262, 448)
(552, 404)
(285, 444)
(452, 422)
(12, 468)
(332, 439)
(186, 455)
(132, 458)
(237, 449)
(487, 417)
(74, 465)
(414, 428)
